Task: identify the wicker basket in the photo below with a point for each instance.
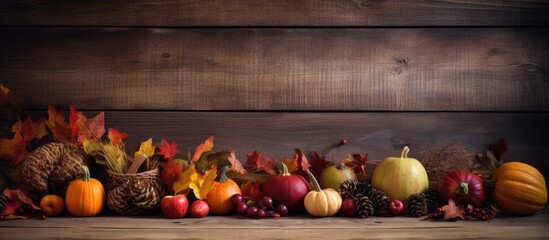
(134, 193)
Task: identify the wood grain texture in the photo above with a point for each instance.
(292, 227)
(276, 13)
(380, 134)
(455, 69)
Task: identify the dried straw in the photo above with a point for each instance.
(444, 158)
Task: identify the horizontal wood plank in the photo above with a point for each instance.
(276, 13)
(294, 227)
(455, 69)
(380, 134)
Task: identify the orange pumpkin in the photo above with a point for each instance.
(85, 197)
(219, 197)
(520, 189)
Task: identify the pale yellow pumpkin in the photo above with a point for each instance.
(400, 177)
(321, 202)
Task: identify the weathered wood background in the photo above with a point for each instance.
(274, 75)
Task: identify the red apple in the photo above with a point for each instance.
(396, 207)
(174, 206)
(349, 207)
(52, 205)
(199, 209)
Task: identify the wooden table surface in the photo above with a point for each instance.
(290, 227)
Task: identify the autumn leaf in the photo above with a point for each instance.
(10, 108)
(73, 119)
(201, 184)
(16, 198)
(168, 150)
(181, 186)
(202, 148)
(236, 164)
(171, 170)
(299, 165)
(357, 163)
(146, 148)
(92, 129)
(30, 130)
(252, 190)
(13, 149)
(318, 163)
(452, 212)
(57, 125)
(257, 161)
(116, 137)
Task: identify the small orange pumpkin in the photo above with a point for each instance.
(219, 197)
(85, 197)
(520, 189)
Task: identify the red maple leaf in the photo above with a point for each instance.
(168, 150)
(318, 163)
(256, 161)
(453, 212)
(30, 129)
(17, 198)
(358, 163)
(116, 137)
(170, 173)
(73, 119)
(92, 128)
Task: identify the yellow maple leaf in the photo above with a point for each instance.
(4, 89)
(146, 148)
(201, 184)
(182, 183)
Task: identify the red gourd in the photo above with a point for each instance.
(463, 187)
(288, 189)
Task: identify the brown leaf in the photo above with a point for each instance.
(92, 129)
(236, 164)
(358, 163)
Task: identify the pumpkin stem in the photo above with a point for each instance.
(285, 171)
(222, 176)
(463, 188)
(314, 182)
(86, 177)
(340, 166)
(404, 152)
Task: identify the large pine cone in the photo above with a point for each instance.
(51, 167)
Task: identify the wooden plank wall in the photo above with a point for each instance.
(275, 75)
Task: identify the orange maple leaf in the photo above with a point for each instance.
(13, 149)
(202, 148)
(453, 212)
(116, 137)
(252, 190)
(30, 130)
(299, 164)
(57, 125)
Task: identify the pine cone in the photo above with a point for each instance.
(432, 199)
(378, 197)
(364, 207)
(416, 205)
(144, 196)
(348, 187)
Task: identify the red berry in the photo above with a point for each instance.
(236, 199)
(241, 208)
(282, 209)
(251, 211)
(439, 210)
(1, 217)
(261, 213)
(343, 141)
(276, 215)
(42, 217)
